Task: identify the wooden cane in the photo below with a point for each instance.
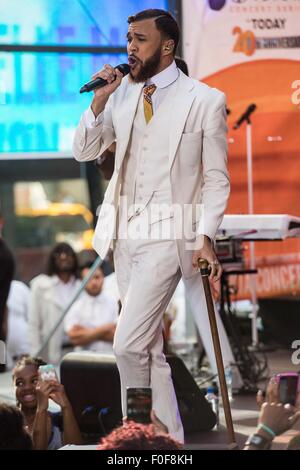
(203, 266)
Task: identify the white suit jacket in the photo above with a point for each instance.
(197, 157)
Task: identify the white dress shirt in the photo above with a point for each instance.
(92, 312)
(17, 335)
(162, 81)
(64, 290)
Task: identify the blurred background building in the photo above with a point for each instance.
(48, 49)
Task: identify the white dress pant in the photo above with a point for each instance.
(147, 274)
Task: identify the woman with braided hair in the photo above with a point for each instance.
(48, 430)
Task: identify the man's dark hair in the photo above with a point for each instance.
(164, 21)
(88, 265)
(57, 250)
(7, 268)
(13, 435)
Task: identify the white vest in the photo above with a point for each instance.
(146, 172)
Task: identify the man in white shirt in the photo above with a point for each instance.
(7, 267)
(17, 331)
(91, 322)
(171, 160)
(50, 293)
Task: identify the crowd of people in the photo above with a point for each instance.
(30, 312)
(29, 425)
(27, 315)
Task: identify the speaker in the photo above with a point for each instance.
(196, 413)
(281, 319)
(92, 385)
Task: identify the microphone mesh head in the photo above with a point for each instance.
(124, 69)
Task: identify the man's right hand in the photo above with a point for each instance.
(114, 78)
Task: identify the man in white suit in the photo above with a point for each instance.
(170, 178)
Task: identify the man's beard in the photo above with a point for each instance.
(148, 69)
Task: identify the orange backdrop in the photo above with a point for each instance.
(276, 161)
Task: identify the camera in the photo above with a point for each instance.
(139, 404)
(288, 387)
(48, 372)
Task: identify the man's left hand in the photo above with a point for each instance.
(207, 252)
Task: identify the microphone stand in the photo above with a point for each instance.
(253, 315)
(255, 339)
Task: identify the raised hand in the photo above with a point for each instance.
(44, 388)
(113, 77)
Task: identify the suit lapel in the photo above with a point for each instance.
(125, 117)
(182, 103)
(180, 108)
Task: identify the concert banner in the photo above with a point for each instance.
(250, 49)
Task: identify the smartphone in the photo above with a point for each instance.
(288, 385)
(48, 372)
(139, 404)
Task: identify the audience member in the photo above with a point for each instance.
(17, 330)
(7, 267)
(136, 436)
(110, 285)
(274, 419)
(91, 321)
(13, 435)
(50, 294)
(48, 430)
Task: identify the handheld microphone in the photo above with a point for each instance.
(100, 82)
(245, 116)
